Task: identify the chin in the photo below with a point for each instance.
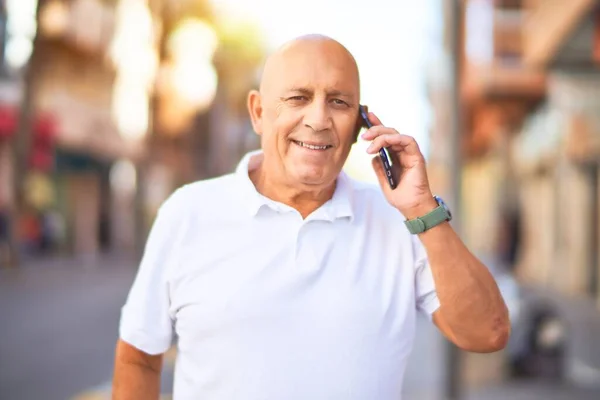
(313, 178)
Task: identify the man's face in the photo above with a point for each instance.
(309, 111)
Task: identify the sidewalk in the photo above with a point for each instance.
(513, 391)
(59, 318)
(582, 318)
(62, 261)
(42, 354)
(533, 391)
(503, 391)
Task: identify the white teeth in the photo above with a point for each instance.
(310, 146)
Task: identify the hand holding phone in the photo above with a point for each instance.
(384, 153)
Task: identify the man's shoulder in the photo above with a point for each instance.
(207, 187)
(201, 193)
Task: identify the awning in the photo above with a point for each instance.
(555, 26)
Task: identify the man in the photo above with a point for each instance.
(287, 279)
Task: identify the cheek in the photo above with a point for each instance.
(286, 123)
(347, 133)
(275, 135)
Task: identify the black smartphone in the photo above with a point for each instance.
(384, 153)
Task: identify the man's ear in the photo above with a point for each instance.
(359, 124)
(255, 110)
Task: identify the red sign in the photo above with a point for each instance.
(8, 121)
(41, 155)
(42, 147)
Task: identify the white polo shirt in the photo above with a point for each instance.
(267, 305)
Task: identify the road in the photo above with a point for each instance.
(59, 324)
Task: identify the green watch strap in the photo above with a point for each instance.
(428, 221)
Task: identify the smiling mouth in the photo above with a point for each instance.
(312, 146)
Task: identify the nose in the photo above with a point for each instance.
(318, 116)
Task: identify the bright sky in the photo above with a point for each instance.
(390, 40)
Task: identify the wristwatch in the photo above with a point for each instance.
(420, 224)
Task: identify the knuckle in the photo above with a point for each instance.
(378, 130)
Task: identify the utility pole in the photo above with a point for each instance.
(454, 16)
(3, 31)
(21, 143)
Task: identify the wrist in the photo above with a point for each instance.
(421, 208)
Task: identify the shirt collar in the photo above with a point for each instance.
(339, 206)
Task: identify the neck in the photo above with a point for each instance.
(305, 200)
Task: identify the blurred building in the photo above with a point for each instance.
(73, 194)
(130, 99)
(497, 93)
(75, 85)
(530, 92)
(557, 151)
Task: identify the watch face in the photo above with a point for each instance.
(443, 204)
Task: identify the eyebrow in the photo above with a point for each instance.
(332, 92)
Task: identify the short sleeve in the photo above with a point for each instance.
(145, 320)
(426, 296)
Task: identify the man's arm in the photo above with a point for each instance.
(472, 312)
(137, 374)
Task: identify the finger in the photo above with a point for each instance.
(375, 131)
(374, 119)
(395, 142)
(360, 123)
(380, 173)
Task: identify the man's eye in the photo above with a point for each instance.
(297, 98)
(339, 102)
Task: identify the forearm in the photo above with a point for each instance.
(470, 302)
(134, 378)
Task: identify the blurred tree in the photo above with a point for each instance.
(238, 60)
(239, 54)
(167, 15)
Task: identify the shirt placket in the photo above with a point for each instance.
(307, 247)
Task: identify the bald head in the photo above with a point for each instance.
(306, 113)
(313, 48)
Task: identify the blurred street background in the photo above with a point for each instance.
(107, 106)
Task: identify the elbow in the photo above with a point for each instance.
(499, 339)
(499, 334)
(494, 339)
